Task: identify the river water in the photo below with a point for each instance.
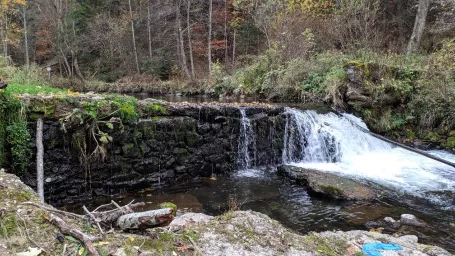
(331, 143)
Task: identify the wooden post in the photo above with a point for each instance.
(39, 159)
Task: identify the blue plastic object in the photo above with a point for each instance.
(373, 249)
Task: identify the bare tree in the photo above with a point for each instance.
(182, 46)
(5, 45)
(225, 34)
(190, 45)
(134, 37)
(209, 39)
(149, 28)
(419, 26)
(24, 15)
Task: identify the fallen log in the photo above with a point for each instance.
(79, 235)
(144, 220)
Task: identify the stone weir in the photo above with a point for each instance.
(90, 152)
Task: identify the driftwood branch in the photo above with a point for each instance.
(56, 211)
(68, 230)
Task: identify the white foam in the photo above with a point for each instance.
(362, 156)
(249, 173)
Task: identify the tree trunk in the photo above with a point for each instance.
(182, 46)
(209, 39)
(149, 28)
(190, 45)
(419, 26)
(233, 50)
(39, 159)
(77, 69)
(27, 58)
(2, 36)
(134, 37)
(144, 220)
(6, 35)
(225, 34)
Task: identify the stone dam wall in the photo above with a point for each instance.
(176, 145)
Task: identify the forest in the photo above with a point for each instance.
(136, 40)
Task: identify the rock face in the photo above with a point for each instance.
(252, 233)
(187, 141)
(329, 184)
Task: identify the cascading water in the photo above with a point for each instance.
(333, 143)
(246, 142)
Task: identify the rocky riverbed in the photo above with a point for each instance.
(25, 228)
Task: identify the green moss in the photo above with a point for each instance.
(330, 246)
(46, 108)
(450, 143)
(169, 205)
(410, 134)
(360, 65)
(156, 109)
(138, 134)
(8, 225)
(332, 191)
(166, 237)
(432, 136)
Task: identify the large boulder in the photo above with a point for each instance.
(329, 184)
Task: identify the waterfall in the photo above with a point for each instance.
(317, 138)
(334, 143)
(246, 142)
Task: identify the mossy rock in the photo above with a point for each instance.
(329, 184)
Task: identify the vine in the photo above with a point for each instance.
(92, 124)
(14, 134)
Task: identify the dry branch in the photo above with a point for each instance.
(79, 235)
(97, 222)
(56, 211)
(111, 216)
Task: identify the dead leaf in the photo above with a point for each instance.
(31, 252)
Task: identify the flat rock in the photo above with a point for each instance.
(329, 184)
(188, 219)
